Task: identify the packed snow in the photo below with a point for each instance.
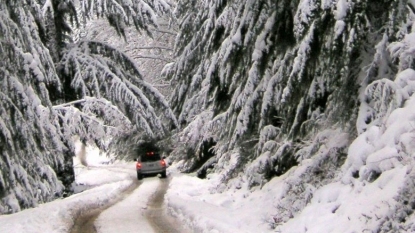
(132, 208)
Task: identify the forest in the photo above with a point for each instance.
(256, 88)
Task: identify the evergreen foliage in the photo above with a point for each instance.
(52, 90)
(261, 77)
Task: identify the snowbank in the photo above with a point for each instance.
(59, 215)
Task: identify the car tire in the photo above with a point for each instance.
(139, 176)
(164, 174)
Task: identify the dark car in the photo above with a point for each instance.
(151, 163)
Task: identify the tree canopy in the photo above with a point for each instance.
(53, 89)
(260, 78)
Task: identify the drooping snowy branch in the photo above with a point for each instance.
(277, 64)
(101, 70)
(140, 13)
(36, 126)
(92, 119)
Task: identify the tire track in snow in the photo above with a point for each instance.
(85, 222)
(156, 215)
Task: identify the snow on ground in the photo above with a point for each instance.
(94, 174)
(59, 215)
(128, 215)
(196, 203)
(98, 184)
(336, 207)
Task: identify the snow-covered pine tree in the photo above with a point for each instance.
(273, 74)
(32, 145)
(52, 89)
(150, 54)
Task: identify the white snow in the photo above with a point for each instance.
(59, 215)
(128, 215)
(342, 7)
(348, 203)
(110, 180)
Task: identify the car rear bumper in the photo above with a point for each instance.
(152, 171)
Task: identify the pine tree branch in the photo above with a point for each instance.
(161, 85)
(87, 116)
(151, 57)
(149, 47)
(167, 32)
(69, 104)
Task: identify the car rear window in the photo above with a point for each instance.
(149, 157)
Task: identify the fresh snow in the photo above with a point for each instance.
(106, 183)
(348, 203)
(59, 215)
(129, 214)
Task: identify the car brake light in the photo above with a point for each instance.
(163, 163)
(138, 165)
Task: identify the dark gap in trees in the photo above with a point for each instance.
(376, 13)
(42, 32)
(204, 160)
(320, 101)
(355, 174)
(222, 98)
(283, 163)
(373, 175)
(253, 123)
(62, 28)
(315, 48)
(348, 90)
(270, 54)
(65, 173)
(244, 30)
(274, 118)
(147, 146)
(218, 36)
(221, 7)
(326, 23)
(284, 30)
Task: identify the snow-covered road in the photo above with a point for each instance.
(110, 199)
(156, 214)
(113, 201)
(85, 222)
(137, 208)
(128, 215)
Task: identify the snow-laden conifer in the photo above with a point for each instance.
(96, 71)
(53, 89)
(295, 67)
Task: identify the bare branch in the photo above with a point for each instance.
(149, 47)
(151, 57)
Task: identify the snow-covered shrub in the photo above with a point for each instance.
(403, 51)
(267, 138)
(402, 217)
(319, 163)
(381, 98)
(258, 171)
(194, 143)
(390, 128)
